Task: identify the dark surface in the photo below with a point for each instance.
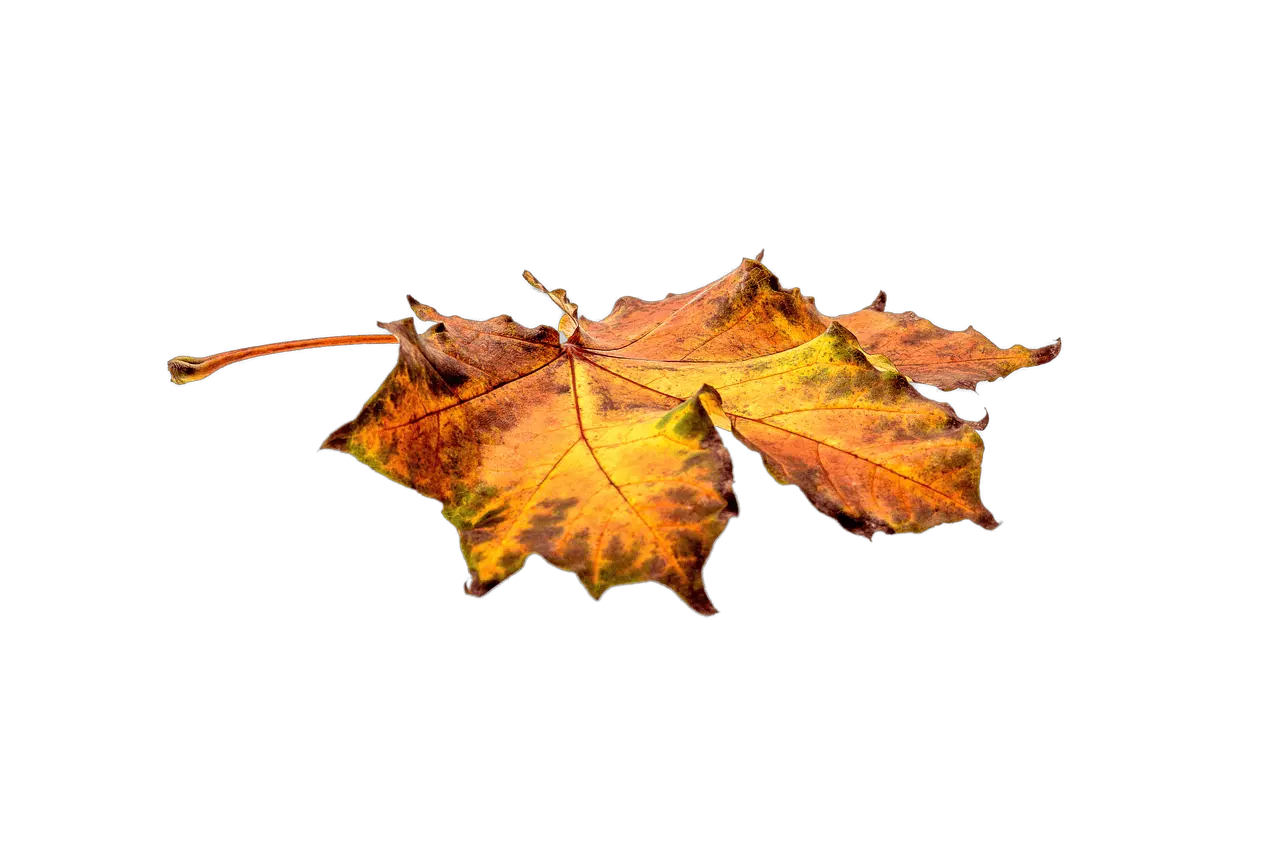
(311, 542)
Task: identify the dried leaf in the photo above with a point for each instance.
(599, 452)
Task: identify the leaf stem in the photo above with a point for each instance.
(186, 368)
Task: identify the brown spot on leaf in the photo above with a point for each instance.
(546, 526)
(577, 548)
(839, 387)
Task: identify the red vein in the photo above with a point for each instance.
(573, 374)
(510, 337)
(923, 486)
(956, 361)
(761, 378)
(628, 441)
(745, 314)
(479, 332)
(822, 466)
(605, 354)
(696, 294)
(410, 423)
(846, 409)
(658, 437)
(470, 364)
(629, 379)
(1004, 357)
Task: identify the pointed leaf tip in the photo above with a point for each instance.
(338, 439)
(711, 402)
(697, 600)
(707, 390)
(760, 256)
(1048, 353)
(475, 588)
(836, 329)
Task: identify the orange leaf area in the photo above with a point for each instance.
(939, 357)
(596, 446)
(742, 315)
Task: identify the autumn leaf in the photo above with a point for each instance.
(935, 356)
(596, 447)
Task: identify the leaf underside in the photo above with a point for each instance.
(601, 454)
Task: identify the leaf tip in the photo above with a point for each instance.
(1045, 354)
(752, 275)
(339, 438)
(475, 588)
(982, 424)
(706, 391)
(694, 418)
(878, 303)
(423, 311)
(697, 600)
(837, 333)
(712, 404)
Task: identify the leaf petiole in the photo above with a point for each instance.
(186, 368)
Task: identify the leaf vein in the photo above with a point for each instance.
(536, 489)
(922, 485)
(657, 540)
(484, 393)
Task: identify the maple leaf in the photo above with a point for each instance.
(596, 447)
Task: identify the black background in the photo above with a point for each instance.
(280, 541)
